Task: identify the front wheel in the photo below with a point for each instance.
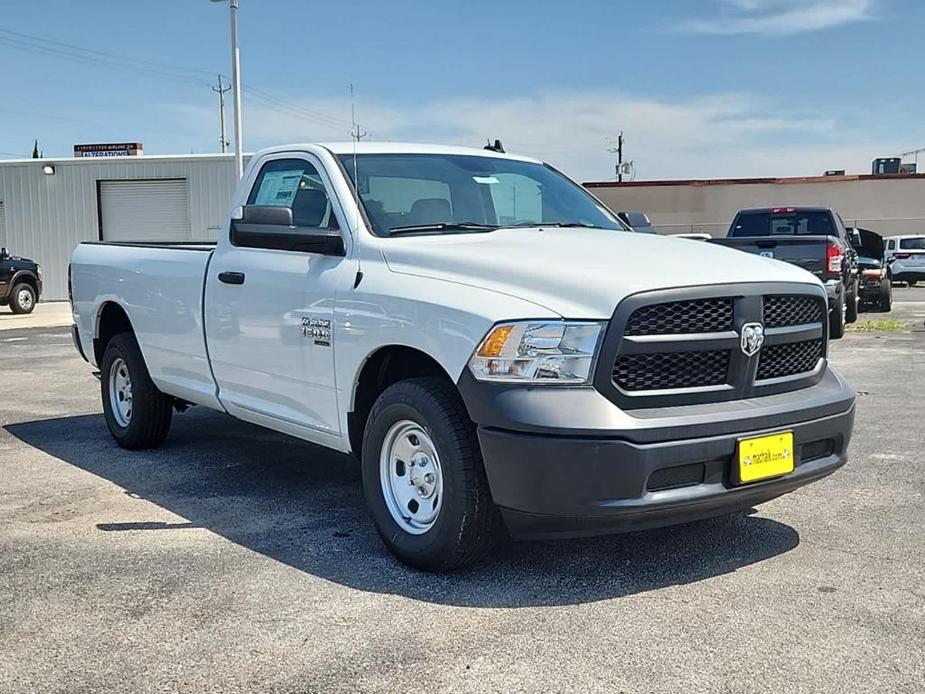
(886, 296)
(423, 477)
(137, 413)
(22, 300)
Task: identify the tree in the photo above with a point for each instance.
(35, 150)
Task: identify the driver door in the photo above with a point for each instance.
(270, 312)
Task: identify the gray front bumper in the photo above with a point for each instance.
(567, 462)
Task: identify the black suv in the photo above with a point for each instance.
(20, 282)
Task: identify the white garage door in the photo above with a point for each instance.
(145, 210)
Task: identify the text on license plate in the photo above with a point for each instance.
(765, 456)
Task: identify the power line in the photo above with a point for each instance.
(93, 60)
(186, 75)
(282, 106)
(121, 58)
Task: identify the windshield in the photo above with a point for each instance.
(914, 244)
(460, 193)
(789, 223)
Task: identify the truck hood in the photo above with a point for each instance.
(575, 272)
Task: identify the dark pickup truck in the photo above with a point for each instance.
(20, 282)
(813, 238)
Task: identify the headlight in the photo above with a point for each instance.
(538, 352)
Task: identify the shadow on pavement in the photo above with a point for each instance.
(302, 505)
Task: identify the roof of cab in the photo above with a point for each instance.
(399, 148)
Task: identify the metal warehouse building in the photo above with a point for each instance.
(48, 206)
(887, 204)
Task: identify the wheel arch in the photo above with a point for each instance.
(26, 277)
(384, 366)
(111, 319)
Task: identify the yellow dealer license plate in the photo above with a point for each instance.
(765, 456)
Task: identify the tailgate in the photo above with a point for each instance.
(808, 252)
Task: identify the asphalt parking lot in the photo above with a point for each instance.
(236, 559)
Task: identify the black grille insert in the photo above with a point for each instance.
(682, 317)
(675, 477)
(668, 370)
(782, 310)
(816, 450)
(789, 359)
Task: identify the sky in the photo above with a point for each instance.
(700, 88)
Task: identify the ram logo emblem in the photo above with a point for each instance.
(752, 338)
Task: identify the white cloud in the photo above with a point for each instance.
(780, 17)
(723, 135)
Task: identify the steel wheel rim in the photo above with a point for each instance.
(120, 392)
(24, 299)
(411, 477)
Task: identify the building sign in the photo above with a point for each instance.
(110, 149)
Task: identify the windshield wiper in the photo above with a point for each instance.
(442, 226)
(552, 224)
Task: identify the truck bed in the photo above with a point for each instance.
(160, 285)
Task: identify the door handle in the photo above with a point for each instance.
(231, 277)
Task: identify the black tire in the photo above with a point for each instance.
(837, 320)
(851, 305)
(151, 410)
(886, 296)
(911, 283)
(468, 522)
(16, 305)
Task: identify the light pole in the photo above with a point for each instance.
(236, 87)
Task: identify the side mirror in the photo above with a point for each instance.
(271, 226)
(4, 254)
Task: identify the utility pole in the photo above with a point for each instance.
(221, 110)
(355, 133)
(236, 85)
(620, 157)
(618, 150)
(236, 79)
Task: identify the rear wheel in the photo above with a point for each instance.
(22, 300)
(837, 318)
(911, 283)
(423, 477)
(137, 413)
(851, 305)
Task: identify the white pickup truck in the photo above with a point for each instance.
(484, 335)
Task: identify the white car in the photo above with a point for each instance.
(484, 335)
(905, 256)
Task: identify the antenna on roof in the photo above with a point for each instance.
(496, 147)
